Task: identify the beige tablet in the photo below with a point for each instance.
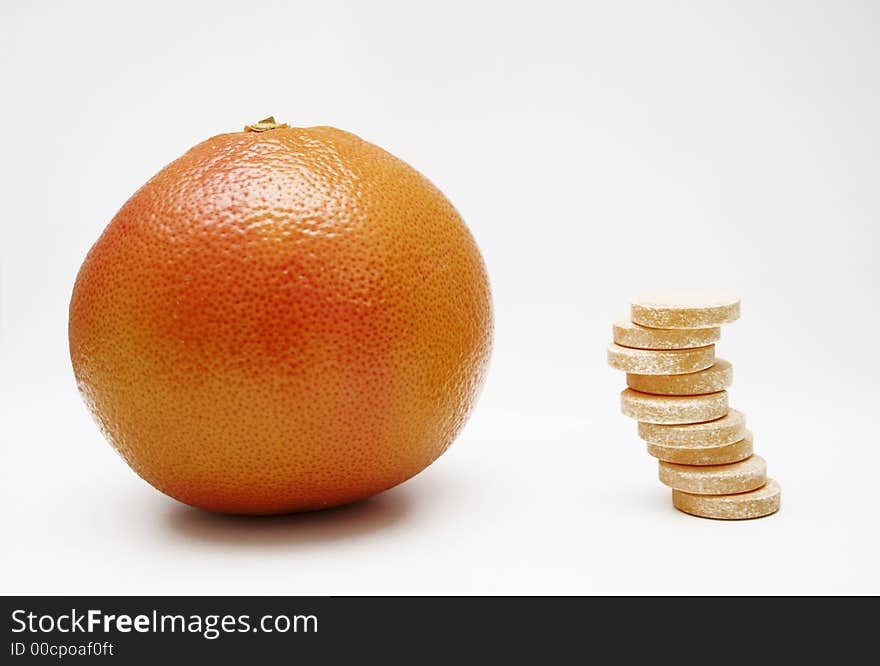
(684, 308)
(628, 334)
(718, 377)
(753, 504)
(660, 362)
(738, 477)
(673, 409)
(726, 430)
(704, 455)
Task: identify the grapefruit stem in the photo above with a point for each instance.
(264, 125)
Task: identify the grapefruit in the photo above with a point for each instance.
(282, 319)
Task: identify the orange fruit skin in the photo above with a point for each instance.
(281, 321)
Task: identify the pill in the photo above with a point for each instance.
(726, 430)
(628, 334)
(715, 378)
(660, 362)
(673, 409)
(714, 454)
(738, 477)
(753, 504)
(684, 308)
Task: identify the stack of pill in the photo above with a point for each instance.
(678, 394)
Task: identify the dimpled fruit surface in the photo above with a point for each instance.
(281, 320)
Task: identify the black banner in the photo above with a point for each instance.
(411, 629)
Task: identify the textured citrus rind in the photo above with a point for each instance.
(280, 321)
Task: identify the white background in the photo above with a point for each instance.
(596, 150)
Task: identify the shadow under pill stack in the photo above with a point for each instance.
(677, 391)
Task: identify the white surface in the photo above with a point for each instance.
(597, 150)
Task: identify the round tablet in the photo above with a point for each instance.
(738, 477)
(726, 430)
(673, 408)
(684, 308)
(660, 362)
(716, 378)
(704, 455)
(627, 334)
(753, 504)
